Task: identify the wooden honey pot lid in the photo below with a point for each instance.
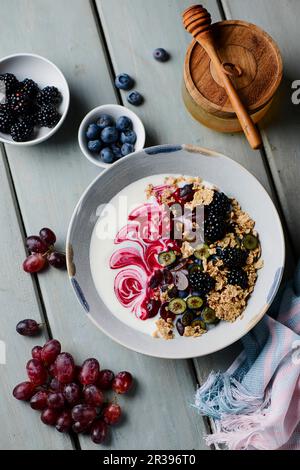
(250, 57)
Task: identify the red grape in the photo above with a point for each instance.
(36, 244)
(57, 260)
(105, 379)
(36, 352)
(24, 391)
(89, 372)
(85, 414)
(49, 416)
(93, 396)
(28, 327)
(56, 386)
(64, 422)
(122, 383)
(34, 263)
(156, 279)
(50, 351)
(72, 393)
(166, 314)
(81, 427)
(48, 236)
(52, 370)
(36, 372)
(39, 400)
(152, 307)
(65, 367)
(99, 432)
(55, 400)
(112, 413)
(77, 373)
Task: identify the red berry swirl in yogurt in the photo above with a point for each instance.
(148, 232)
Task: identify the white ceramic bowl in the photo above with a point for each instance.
(216, 168)
(43, 72)
(115, 110)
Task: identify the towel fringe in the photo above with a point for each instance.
(239, 415)
(223, 394)
(238, 432)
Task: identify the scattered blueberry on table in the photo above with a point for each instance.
(109, 139)
(161, 54)
(27, 106)
(124, 81)
(135, 98)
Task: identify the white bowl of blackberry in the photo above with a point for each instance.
(34, 99)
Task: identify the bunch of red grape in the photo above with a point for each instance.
(43, 252)
(71, 397)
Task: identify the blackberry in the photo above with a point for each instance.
(6, 121)
(48, 116)
(238, 277)
(21, 131)
(49, 95)
(4, 108)
(233, 257)
(29, 87)
(202, 282)
(214, 228)
(29, 119)
(10, 82)
(19, 102)
(220, 205)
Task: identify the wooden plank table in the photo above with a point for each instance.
(91, 42)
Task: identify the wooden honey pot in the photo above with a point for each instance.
(245, 54)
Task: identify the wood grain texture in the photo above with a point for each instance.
(49, 180)
(20, 425)
(282, 125)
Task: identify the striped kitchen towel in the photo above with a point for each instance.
(255, 404)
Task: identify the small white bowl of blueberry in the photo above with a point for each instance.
(34, 99)
(110, 132)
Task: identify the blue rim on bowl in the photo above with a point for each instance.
(115, 110)
(12, 64)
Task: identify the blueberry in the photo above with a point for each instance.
(196, 293)
(107, 155)
(183, 293)
(94, 145)
(109, 135)
(105, 120)
(127, 148)
(161, 54)
(135, 98)
(128, 137)
(124, 81)
(116, 149)
(124, 123)
(92, 132)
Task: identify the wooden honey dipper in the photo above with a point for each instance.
(197, 21)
